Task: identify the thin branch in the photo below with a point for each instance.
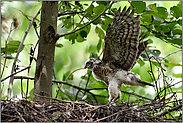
(170, 54)
(73, 31)
(15, 73)
(72, 73)
(6, 49)
(18, 52)
(69, 13)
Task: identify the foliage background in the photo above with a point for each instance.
(73, 56)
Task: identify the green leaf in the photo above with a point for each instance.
(83, 34)
(12, 47)
(67, 22)
(175, 41)
(97, 21)
(180, 5)
(171, 65)
(139, 5)
(142, 92)
(177, 75)
(80, 38)
(99, 45)
(165, 29)
(176, 12)
(177, 32)
(171, 25)
(102, 2)
(59, 45)
(94, 55)
(152, 6)
(162, 11)
(71, 37)
(99, 9)
(4, 97)
(146, 18)
(156, 63)
(141, 62)
(90, 10)
(100, 32)
(31, 92)
(66, 75)
(106, 22)
(92, 48)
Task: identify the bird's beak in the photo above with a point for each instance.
(85, 67)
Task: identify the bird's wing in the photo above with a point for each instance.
(121, 40)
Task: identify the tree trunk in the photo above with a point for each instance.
(46, 50)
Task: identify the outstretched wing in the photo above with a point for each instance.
(121, 44)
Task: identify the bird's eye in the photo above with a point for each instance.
(88, 63)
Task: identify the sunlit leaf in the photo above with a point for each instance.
(141, 62)
(176, 12)
(162, 11)
(152, 6)
(175, 41)
(139, 5)
(12, 47)
(102, 2)
(80, 38)
(99, 9)
(100, 32)
(171, 64)
(99, 45)
(90, 10)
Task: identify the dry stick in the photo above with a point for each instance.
(31, 58)
(111, 115)
(18, 52)
(15, 73)
(39, 113)
(19, 114)
(152, 70)
(169, 110)
(6, 49)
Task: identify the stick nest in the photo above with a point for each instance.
(157, 110)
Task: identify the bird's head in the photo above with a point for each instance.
(91, 62)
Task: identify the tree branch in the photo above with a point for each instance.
(15, 73)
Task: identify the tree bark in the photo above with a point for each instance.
(46, 50)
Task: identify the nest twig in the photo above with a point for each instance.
(163, 110)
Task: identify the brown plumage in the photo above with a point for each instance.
(121, 51)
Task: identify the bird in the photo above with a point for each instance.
(122, 48)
